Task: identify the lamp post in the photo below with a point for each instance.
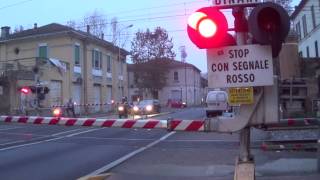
(119, 58)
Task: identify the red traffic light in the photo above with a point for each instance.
(25, 90)
(207, 28)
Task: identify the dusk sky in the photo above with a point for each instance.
(169, 14)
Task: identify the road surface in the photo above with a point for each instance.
(56, 153)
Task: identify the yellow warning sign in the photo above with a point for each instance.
(240, 96)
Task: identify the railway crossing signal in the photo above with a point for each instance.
(268, 23)
(207, 28)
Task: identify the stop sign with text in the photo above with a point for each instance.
(240, 66)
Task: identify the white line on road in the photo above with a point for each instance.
(63, 132)
(48, 140)
(82, 132)
(12, 142)
(128, 156)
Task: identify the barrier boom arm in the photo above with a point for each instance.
(171, 124)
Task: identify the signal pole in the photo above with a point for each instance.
(245, 161)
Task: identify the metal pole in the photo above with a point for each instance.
(245, 145)
(241, 40)
(244, 169)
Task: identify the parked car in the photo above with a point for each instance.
(178, 104)
(217, 103)
(149, 106)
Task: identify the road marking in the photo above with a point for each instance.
(63, 132)
(48, 140)
(128, 156)
(5, 129)
(82, 132)
(12, 142)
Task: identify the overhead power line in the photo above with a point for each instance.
(14, 4)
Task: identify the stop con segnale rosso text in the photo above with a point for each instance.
(240, 66)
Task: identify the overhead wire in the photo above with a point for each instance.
(14, 4)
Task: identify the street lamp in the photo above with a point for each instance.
(119, 57)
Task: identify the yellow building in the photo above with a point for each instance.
(71, 63)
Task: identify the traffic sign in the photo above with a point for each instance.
(240, 66)
(239, 96)
(232, 3)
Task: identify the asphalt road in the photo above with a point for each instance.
(40, 152)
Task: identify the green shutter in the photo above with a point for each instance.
(43, 52)
(100, 59)
(92, 58)
(108, 63)
(77, 55)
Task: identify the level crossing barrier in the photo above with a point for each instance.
(170, 124)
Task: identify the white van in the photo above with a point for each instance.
(217, 103)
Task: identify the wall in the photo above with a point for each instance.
(192, 93)
(62, 47)
(313, 32)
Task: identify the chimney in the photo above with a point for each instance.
(35, 25)
(88, 29)
(5, 31)
(102, 36)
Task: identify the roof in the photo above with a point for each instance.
(298, 9)
(53, 29)
(169, 64)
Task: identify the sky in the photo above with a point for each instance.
(171, 15)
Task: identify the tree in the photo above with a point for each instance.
(150, 52)
(150, 77)
(151, 46)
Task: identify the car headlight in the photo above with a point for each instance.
(120, 108)
(184, 103)
(135, 108)
(57, 112)
(149, 108)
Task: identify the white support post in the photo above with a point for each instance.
(245, 168)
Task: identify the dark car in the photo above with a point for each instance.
(149, 106)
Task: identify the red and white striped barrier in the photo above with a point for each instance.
(294, 123)
(172, 125)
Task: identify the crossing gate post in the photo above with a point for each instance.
(244, 168)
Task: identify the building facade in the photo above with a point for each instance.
(184, 83)
(71, 63)
(306, 22)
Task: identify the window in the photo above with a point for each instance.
(77, 55)
(313, 17)
(298, 30)
(96, 59)
(308, 55)
(316, 48)
(109, 65)
(175, 76)
(304, 24)
(43, 51)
